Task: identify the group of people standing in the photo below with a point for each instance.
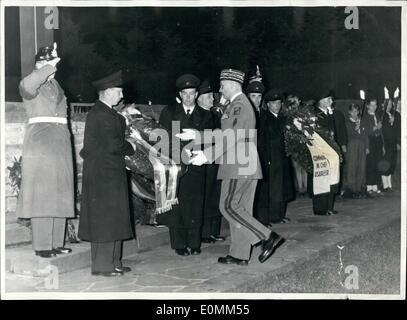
(250, 200)
(368, 136)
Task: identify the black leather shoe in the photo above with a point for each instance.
(195, 251)
(270, 245)
(217, 238)
(62, 250)
(107, 273)
(45, 253)
(325, 213)
(208, 240)
(123, 269)
(232, 260)
(182, 252)
(333, 212)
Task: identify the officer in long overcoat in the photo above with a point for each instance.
(105, 212)
(47, 188)
(185, 220)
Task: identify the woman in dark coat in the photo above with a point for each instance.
(357, 148)
(277, 170)
(371, 122)
(391, 131)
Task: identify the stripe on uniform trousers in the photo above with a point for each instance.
(235, 216)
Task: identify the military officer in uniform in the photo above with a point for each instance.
(212, 217)
(105, 208)
(185, 219)
(239, 171)
(47, 187)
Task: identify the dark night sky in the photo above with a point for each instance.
(307, 50)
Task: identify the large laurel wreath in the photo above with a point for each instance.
(296, 141)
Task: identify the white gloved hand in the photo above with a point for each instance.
(135, 134)
(187, 134)
(54, 62)
(199, 158)
(297, 123)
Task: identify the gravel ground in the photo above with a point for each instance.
(376, 256)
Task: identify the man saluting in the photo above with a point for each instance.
(105, 212)
(239, 179)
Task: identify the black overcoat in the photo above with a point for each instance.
(105, 212)
(277, 167)
(212, 184)
(391, 138)
(191, 188)
(341, 134)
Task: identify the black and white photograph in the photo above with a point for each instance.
(203, 150)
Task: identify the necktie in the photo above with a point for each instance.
(188, 113)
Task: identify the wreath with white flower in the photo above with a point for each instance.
(301, 124)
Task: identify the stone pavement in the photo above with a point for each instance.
(161, 270)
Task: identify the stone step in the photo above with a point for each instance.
(11, 217)
(16, 234)
(21, 260)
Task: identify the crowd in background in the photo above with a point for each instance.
(368, 135)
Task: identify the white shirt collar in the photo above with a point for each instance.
(324, 111)
(106, 103)
(234, 97)
(188, 108)
(275, 114)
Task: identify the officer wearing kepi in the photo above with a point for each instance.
(239, 178)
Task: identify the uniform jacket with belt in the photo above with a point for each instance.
(47, 187)
(235, 148)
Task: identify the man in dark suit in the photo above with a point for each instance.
(185, 220)
(239, 171)
(212, 217)
(255, 91)
(105, 212)
(277, 170)
(323, 204)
